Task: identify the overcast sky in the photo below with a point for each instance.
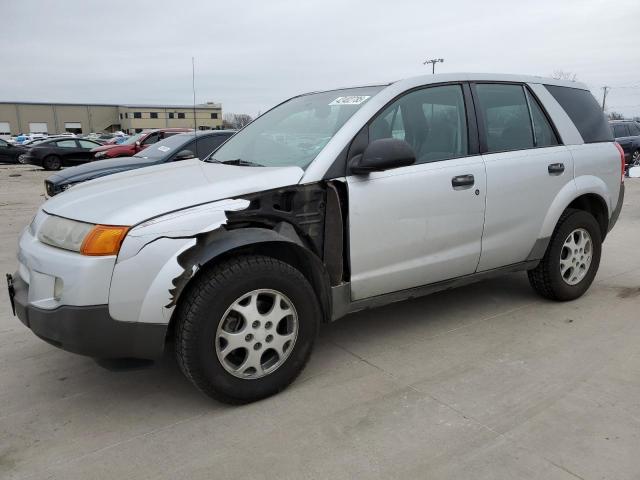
(253, 54)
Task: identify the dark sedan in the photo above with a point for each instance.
(9, 152)
(54, 153)
(177, 147)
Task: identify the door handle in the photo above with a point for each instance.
(556, 168)
(462, 182)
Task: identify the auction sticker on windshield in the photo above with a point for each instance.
(164, 148)
(350, 100)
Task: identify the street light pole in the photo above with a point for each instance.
(605, 90)
(433, 62)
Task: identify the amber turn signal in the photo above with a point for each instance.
(103, 240)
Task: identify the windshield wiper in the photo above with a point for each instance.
(238, 161)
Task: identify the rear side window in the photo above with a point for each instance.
(543, 134)
(506, 117)
(584, 111)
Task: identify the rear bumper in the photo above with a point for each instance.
(89, 330)
(616, 213)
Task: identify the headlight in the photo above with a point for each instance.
(64, 233)
(85, 238)
(100, 155)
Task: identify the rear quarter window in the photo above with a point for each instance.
(584, 111)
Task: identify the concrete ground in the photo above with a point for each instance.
(485, 382)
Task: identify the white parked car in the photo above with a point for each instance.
(329, 203)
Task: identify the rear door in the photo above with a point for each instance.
(419, 224)
(526, 168)
(69, 150)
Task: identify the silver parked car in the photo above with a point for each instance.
(329, 203)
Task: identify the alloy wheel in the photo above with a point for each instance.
(256, 334)
(575, 256)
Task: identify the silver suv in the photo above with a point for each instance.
(329, 203)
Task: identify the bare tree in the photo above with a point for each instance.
(563, 75)
(236, 120)
(615, 116)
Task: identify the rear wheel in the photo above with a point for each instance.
(572, 258)
(246, 328)
(52, 162)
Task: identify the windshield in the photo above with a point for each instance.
(293, 133)
(133, 139)
(165, 147)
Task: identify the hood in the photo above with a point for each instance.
(129, 198)
(98, 168)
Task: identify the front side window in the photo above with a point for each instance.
(294, 132)
(432, 120)
(634, 129)
(87, 144)
(506, 117)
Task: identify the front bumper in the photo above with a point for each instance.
(88, 330)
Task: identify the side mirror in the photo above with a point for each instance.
(184, 155)
(383, 154)
(634, 172)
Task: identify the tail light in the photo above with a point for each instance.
(622, 164)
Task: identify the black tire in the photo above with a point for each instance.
(202, 308)
(52, 162)
(546, 278)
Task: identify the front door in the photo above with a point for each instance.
(419, 224)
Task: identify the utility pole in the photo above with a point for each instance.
(605, 89)
(433, 62)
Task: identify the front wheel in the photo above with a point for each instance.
(52, 162)
(246, 328)
(572, 258)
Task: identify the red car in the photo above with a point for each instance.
(137, 142)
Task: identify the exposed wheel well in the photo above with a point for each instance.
(296, 256)
(596, 206)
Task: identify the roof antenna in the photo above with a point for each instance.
(193, 85)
